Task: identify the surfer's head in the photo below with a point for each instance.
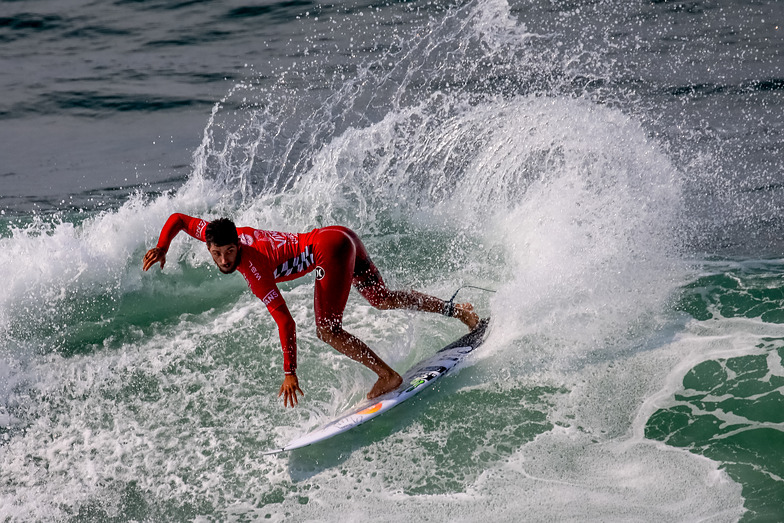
(223, 244)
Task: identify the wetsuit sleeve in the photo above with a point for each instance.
(267, 291)
(288, 337)
(181, 222)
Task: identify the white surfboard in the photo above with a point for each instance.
(415, 380)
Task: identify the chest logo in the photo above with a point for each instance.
(278, 239)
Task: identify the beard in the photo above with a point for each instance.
(229, 270)
(234, 266)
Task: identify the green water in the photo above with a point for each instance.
(731, 410)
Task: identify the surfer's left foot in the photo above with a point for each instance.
(465, 313)
(384, 385)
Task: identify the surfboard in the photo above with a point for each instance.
(415, 380)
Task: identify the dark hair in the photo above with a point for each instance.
(221, 232)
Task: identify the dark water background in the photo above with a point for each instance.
(613, 169)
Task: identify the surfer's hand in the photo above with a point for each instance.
(153, 256)
(289, 390)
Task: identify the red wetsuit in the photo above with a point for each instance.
(269, 257)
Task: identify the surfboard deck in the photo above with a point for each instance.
(415, 380)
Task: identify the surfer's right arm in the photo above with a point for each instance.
(177, 222)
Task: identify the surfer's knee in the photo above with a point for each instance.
(328, 331)
(380, 298)
(371, 286)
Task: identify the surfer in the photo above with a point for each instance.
(339, 260)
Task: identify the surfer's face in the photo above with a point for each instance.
(226, 257)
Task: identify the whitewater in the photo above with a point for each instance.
(556, 155)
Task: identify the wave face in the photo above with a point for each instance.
(631, 371)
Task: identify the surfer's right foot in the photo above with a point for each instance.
(384, 385)
(465, 313)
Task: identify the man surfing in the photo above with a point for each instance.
(339, 260)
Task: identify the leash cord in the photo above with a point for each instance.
(449, 307)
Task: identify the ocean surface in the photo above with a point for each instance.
(613, 171)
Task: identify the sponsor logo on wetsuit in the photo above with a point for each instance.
(254, 271)
(320, 272)
(246, 239)
(271, 295)
(277, 239)
(297, 264)
(200, 228)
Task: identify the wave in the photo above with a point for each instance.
(158, 388)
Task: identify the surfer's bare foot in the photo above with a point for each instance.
(384, 385)
(465, 313)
